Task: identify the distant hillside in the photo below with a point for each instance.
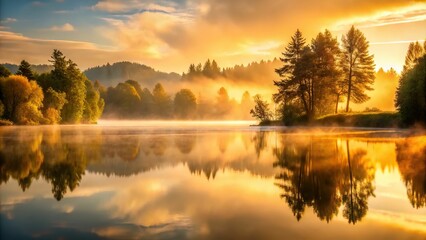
(255, 73)
(111, 75)
(42, 68)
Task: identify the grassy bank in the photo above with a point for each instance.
(373, 120)
(5, 122)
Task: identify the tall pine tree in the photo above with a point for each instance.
(358, 66)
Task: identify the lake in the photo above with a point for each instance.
(211, 180)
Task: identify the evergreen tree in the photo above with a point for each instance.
(25, 70)
(4, 72)
(327, 76)
(358, 66)
(415, 51)
(67, 78)
(215, 69)
(411, 94)
(293, 87)
(207, 69)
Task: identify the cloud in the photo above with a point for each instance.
(16, 47)
(37, 3)
(117, 6)
(400, 16)
(67, 27)
(8, 20)
(171, 34)
(232, 31)
(153, 34)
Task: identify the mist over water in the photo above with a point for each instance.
(210, 180)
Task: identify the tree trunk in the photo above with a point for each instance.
(349, 89)
(337, 103)
(312, 99)
(305, 104)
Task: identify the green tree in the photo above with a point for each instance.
(93, 104)
(261, 109)
(411, 94)
(162, 101)
(25, 70)
(358, 66)
(52, 105)
(122, 100)
(4, 72)
(185, 104)
(67, 78)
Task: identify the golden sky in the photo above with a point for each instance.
(170, 34)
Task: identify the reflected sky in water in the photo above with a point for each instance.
(208, 181)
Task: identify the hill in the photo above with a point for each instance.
(41, 68)
(111, 75)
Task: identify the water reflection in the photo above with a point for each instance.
(324, 174)
(411, 159)
(331, 174)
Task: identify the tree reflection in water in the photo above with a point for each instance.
(411, 159)
(324, 174)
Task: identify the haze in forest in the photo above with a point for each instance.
(206, 60)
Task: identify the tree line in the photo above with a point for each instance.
(210, 69)
(131, 100)
(64, 95)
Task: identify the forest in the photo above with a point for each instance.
(64, 95)
(314, 81)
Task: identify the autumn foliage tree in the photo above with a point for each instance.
(25, 70)
(64, 95)
(22, 99)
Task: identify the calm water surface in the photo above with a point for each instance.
(210, 181)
